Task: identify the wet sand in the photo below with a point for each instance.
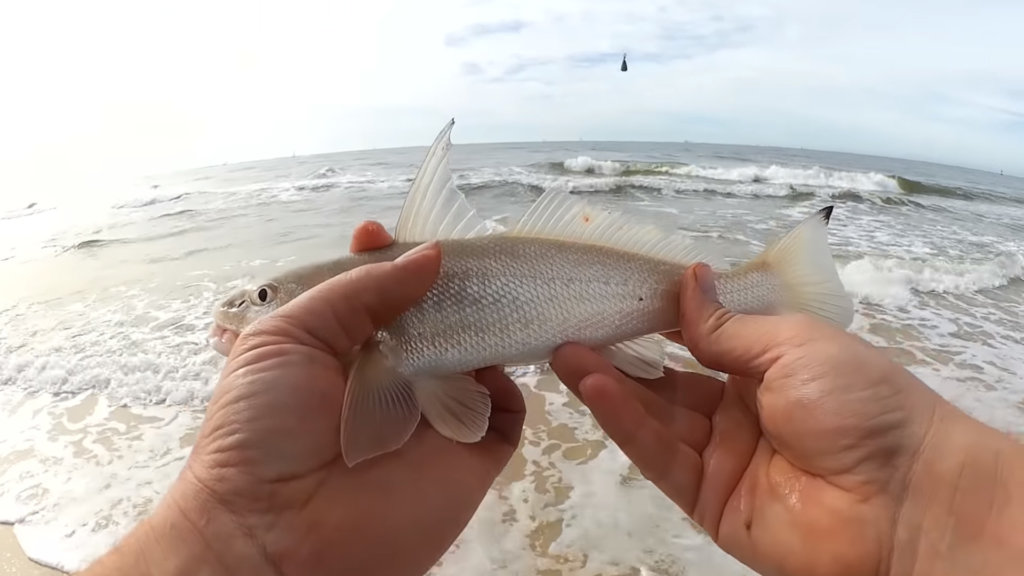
(530, 508)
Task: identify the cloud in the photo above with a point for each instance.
(482, 29)
(121, 86)
(472, 69)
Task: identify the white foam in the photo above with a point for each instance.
(591, 175)
(813, 176)
(325, 172)
(81, 472)
(893, 281)
(131, 347)
(588, 164)
(604, 497)
(74, 486)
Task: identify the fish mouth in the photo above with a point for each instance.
(222, 339)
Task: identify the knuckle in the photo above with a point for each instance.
(699, 338)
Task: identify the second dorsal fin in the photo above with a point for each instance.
(559, 215)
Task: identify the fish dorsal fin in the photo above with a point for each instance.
(559, 215)
(435, 208)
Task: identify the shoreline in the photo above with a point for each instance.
(544, 437)
(14, 561)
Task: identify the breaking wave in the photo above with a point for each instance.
(894, 281)
(814, 176)
(776, 180)
(325, 172)
(588, 164)
(534, 183)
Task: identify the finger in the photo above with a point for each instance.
(734, 438)
(343, 312)
(508, 409)
(574, 363)
(673, 467)
(697, 392)
(719, 338)
(746, 388)
(370, 235)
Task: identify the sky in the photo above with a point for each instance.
(91, 89)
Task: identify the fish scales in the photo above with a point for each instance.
(514, 300)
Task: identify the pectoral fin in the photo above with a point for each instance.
(380, 409)
(457, 406)
(642, 357)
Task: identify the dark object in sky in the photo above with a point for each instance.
(623, 67)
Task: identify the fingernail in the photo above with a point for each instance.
(706, 281)
(584, 388)
(417, 250)
(372, 225)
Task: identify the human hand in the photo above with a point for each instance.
(818, 455)
(266, 485)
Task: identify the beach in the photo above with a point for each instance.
(105, 370)
(13, 561)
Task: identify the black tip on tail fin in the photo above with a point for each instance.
(802, 261)
(826, 213)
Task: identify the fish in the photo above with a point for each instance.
(564, 272)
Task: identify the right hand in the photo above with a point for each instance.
(265, 489)
(799, 463)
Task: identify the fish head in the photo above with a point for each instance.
(234, 312)
(242, 307)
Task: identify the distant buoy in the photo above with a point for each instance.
(624, 67)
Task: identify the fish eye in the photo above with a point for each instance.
(262, 295)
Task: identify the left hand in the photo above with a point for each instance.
(266, 473)
(812, 458)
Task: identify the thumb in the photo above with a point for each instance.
(720, 339)
(344, 311)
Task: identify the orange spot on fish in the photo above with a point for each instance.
(586, 218)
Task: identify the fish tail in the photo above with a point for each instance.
(795, 272)
(382, 406)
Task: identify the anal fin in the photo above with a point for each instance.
(380, 410)
(457, 406)
(642, 357)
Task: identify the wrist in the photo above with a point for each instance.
(187, 534)
(960, 514)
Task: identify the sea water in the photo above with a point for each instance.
(106, 301)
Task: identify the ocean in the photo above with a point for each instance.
(106, 302)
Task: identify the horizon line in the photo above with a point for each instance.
(577, 141)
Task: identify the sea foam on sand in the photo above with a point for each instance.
(90, 471)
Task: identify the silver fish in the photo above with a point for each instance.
(565, 272)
